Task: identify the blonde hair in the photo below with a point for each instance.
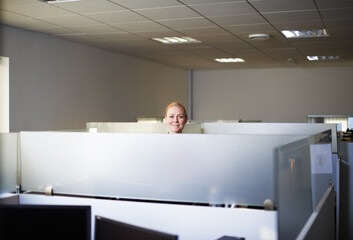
(175, 104)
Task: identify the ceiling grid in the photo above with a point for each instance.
(222, 26)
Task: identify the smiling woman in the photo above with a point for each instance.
(175, 117)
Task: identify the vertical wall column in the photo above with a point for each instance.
(190, 90)
(4, 95)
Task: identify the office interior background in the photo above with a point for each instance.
(64, 73)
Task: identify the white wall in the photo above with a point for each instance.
(272, 95)
(57, 84)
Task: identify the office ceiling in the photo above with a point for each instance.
(222, 26)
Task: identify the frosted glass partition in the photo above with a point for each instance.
(272, 128)
(8, 162)
(197, 168)
(299, 189)
(140, 127)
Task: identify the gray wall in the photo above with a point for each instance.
(57, 84)
(272, 95)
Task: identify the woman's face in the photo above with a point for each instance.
(175, 119)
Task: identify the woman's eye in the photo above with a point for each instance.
(181, 116)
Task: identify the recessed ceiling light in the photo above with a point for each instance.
(229, 60)
(317, 58)
(176, 40)
(305, 33)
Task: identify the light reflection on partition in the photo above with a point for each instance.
(196, 168)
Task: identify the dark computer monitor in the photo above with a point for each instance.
(45, 222)
(108, 229)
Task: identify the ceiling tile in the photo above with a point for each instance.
(193, 2)
(220, 39)
(250, 28)
(143, 26)
(168, 13)
(331, 14)
(312, 41)
(269, 44)
(55, 30)
(241, 47)
(221, 9)
(12, 3)
(140, 4)
(116, 17)
(340, 31)
(113, 36)
(187, 23)
(156, 34)
(6, 16)
(94, 28)
(20, 21)
(238, 19)
(308, 15)
(325, 4)
(69, 20)
(38, 11)
(342, 23)
(299, 25)
(89, 6)
(282, 5)
(203, 31)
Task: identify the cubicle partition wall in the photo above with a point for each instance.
(304, 174)
(271, 128)
(190, 168)
(198, 186)
(139, 127)
(8, 162)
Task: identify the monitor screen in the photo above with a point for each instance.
(111, 229)
(45, 222)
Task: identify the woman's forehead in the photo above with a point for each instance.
(175, 109)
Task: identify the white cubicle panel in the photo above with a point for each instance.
(196, 168)
(188, 222)
(272, 128)
(8, 162)
(140, 127)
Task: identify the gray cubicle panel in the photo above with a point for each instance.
(346, 191)
(8, 162)
(304, 172)
(192, 168)
(321, 223)
(9, 198)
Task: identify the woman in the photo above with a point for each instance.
(175, 117)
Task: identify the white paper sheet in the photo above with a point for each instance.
(321, 158)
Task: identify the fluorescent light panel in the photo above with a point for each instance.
(317, 58)
(229, 60)
(305, 33)
(176, 40)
